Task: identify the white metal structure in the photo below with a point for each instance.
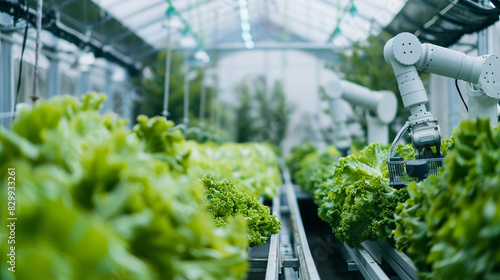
(381, 109)
(406, 55)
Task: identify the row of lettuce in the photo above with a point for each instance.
(449, 225)
(95, 200)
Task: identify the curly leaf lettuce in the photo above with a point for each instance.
(450, 224)
(96, 204)
(359, 203)
(224, 201)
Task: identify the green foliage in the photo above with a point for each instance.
(316, 168)
(225, 200)
(360, 204)
(450, 224)
(158, 139)
(96, 201)
(262, 115)
(298, 153)
(252, 167)
(364, 64)
(152, 90)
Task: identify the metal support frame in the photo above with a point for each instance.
(119, 2)
(81, 40)
(146, 54)
(38, 45)
(307, 266)
(168, 62)
(98, 22)
(203, 98)
(185, 118)
(273, 260)
(7, 92)
(119, 36)
(143, 10)
(400, 262)
(270, 46)
(367, 259)
(138, 47)
(365, 263)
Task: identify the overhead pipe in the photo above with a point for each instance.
(51, 24)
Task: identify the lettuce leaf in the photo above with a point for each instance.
(450, 224)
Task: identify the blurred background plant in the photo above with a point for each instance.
(151, 87)
(262, 115)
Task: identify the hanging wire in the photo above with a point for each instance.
(34, 97)
(23, 47)
(201, 119)
(200, 21)
(186, 24)
(168, 60)
(396, 140)
(461, 97)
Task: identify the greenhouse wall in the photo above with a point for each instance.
(301, 73)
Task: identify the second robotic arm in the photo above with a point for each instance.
(381, 109)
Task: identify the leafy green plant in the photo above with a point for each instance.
(298, 153)
(262, 115)
(252, 167)
(151, 88)
(359, 203)
(316, 168)
(450, 224)
(225, 201)
(97, 202)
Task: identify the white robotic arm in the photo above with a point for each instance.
(406, 55)
(381, 106)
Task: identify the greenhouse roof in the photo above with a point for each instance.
(130, 32)
(213, 22)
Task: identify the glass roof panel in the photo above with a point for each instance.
(310, 20)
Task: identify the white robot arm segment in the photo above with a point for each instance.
(381, 104)
(406, 55)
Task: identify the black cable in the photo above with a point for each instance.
(25, 38)
(461, 97)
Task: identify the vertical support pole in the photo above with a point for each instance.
(202, 100)
(7, 92)
(185, 118)
(168, 60)
(213, 103)
(39, 14)
(217, 106)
